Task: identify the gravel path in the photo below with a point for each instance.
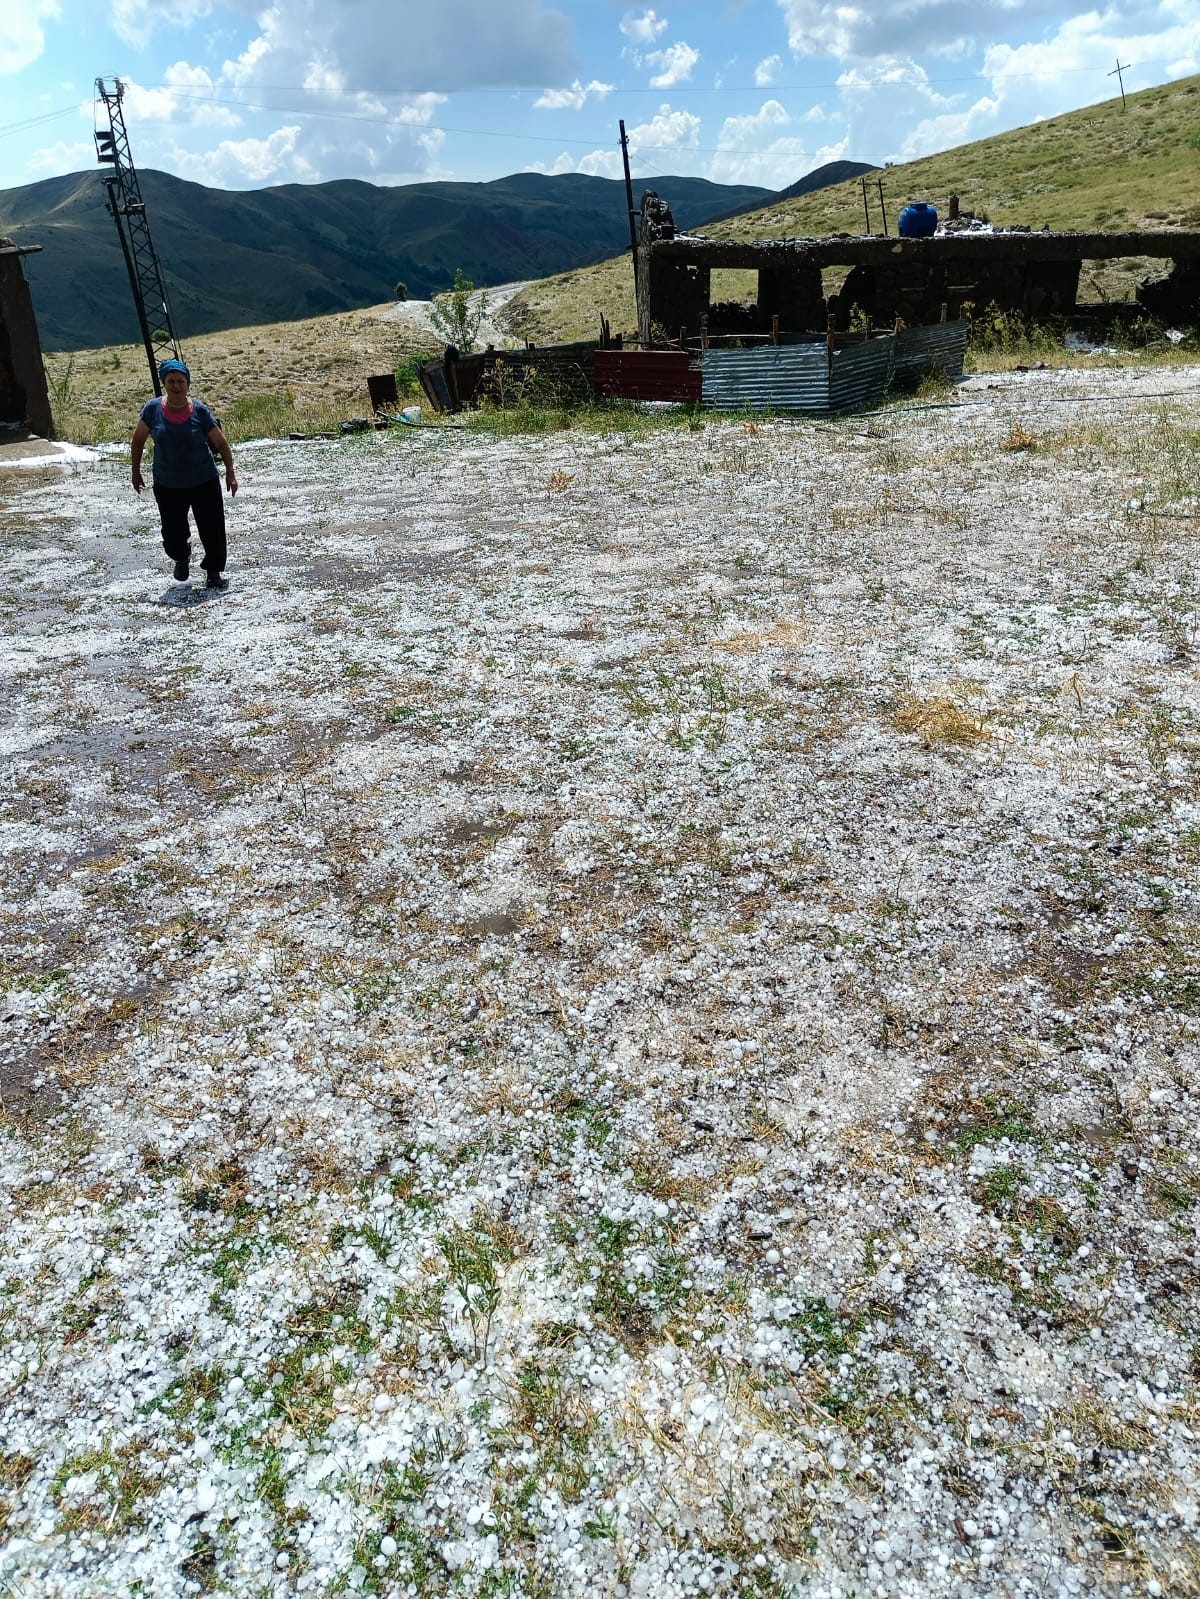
(619, 1018)
(413, 315)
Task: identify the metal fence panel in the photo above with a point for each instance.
(646, 375)
(942, 345)
(795, 377)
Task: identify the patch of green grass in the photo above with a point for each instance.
(994, 1119)
(471, 1257)
(122, 1485)
(638, 1277)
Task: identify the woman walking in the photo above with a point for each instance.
(185, 434)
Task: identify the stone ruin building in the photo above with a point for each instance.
(24, 400)
(914, 280)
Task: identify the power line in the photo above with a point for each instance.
(604, 139)
(35, 122)
(721, 88)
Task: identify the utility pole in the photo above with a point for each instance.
(1116, 73)
(882, 207)
(124, 203)
(633, 242)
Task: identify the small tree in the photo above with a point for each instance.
(458, 315)
(401, 291)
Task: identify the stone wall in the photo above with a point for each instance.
(23, 395)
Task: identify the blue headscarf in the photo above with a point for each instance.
(174, 366)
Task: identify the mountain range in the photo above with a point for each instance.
(233, 259)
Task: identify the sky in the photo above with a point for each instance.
(241, 95)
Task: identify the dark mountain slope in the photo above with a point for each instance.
(237, 258)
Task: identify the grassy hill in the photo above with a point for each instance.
(1102, 169)
(301, 250)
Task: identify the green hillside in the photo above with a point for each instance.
(234, 259)
(1102, 169)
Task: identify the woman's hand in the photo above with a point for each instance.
(231, 482)
(139, 482)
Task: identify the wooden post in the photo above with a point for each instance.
(882, 208)
(866, 207)
(1116, 73)
(633, 240)
(704, 333)
(775, 328)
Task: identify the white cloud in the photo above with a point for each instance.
(251, 163)
(671, 66)
(552, 169)
(601, 164)
(55, 159)
(643, 29)
(1096, 43)
(651, 145)
(850, 31)
(419, 110)
(21, 37)
(1033, 81)
(950, 129)
(574, 98)
(135, 22)
(363, 97)
(890, 72)
(669, 133)
(186, 96)
(751, 150)
(767, 72)
(456, 44)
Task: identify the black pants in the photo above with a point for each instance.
(206, 505)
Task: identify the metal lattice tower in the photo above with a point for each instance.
(124, 203)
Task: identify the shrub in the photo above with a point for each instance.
(457, 316)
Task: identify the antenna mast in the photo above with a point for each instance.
(124, 203)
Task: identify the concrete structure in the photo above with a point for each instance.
(24, 400)
(913, 279)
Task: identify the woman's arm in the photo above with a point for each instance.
(136, 445)
(221, 445)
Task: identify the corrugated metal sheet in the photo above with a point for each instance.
(796, 377)
(801, 377)
(942, 345)
(860, 375)
(646, 375)
(793, 377)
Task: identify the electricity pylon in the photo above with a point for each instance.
(124, 203)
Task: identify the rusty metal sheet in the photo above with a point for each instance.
(647, 375)
(432, 377)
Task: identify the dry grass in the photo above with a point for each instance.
(301, 377)
(1020, 438)
(940, 721)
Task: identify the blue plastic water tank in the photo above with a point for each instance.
(918, 220)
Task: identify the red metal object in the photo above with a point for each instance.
(646, 375)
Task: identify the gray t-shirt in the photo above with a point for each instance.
(182, 458)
